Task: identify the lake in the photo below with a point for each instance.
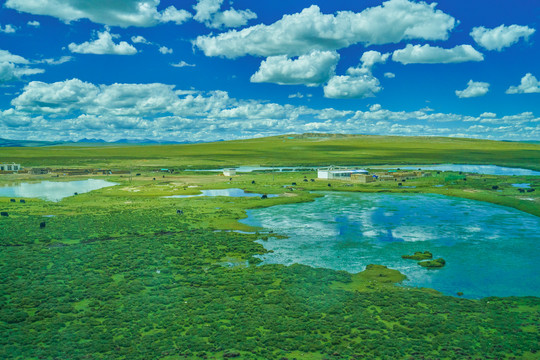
(53, 190)
(233, 192)
(489, 250)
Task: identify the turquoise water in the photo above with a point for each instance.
(234, 192)
(489, 250)
(53, 190)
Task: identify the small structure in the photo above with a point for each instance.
(10, 167)
(362, 178)
(229, 172)
(40, 171)
(338, 173)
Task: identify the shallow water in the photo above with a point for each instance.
(233, 192)
(53, 190)
(489, 250)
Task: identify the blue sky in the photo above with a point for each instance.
(216, 69)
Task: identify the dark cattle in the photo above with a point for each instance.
(253, 182)
(230, 179)
(293, 184)
(179, 212)
(438, 172)
(163, 175)
(75, 193)
(23, 201)
(494, 187)
(464, 179)
(305, 180)
(42, 225)
(521, 190)
(399, 184)
(530, 190)
(264, 196)
(154, 179)
(404, 180)
(4, 213)
(329, 185)
(137, 174)
(12, 200)
(305, 177)
(312, 180)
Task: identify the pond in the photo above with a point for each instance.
(233, 192)
(53, 190)
(489, 250)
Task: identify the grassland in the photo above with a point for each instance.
(288, 150)
(118, 274)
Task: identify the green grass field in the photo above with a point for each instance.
(287, 150)
(117, 274)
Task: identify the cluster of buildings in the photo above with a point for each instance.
(363, 176)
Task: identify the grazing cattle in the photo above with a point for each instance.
(253, 181)
(293, 184)
(494, 187)
(230, 179)
(137, 174)
(42, 225)
(464, 179)
(399, 184)
(179, 212)
(264, 196)
(530, 190)
(305, 180)
(329, 185)
(4, 213)
(75, 193)
(521, 190)
(22, 201)
(312, 180)
(154, 179)
(12, 200)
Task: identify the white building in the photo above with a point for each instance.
(338, 173)
(229, 172)
(10, 167)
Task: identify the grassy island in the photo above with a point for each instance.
(418, 255)
(433, 264)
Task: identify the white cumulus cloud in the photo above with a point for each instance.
(34, 23)
(427, 54)
(300, 33)
(165, 50)
(208, 12)
(7, 72)
(349, 87)
(104, 44)
(500, 37)
(529, 84)
(311, 70)
(389, 75)
(182, 64)
(114, 13)
(8, 29)
(474, 89)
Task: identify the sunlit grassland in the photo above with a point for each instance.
(286, 150)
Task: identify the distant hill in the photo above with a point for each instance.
(26, 143)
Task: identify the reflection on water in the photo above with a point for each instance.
(234, 192)
(53, 190)
(489, 250)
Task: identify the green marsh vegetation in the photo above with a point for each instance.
(118, 274)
